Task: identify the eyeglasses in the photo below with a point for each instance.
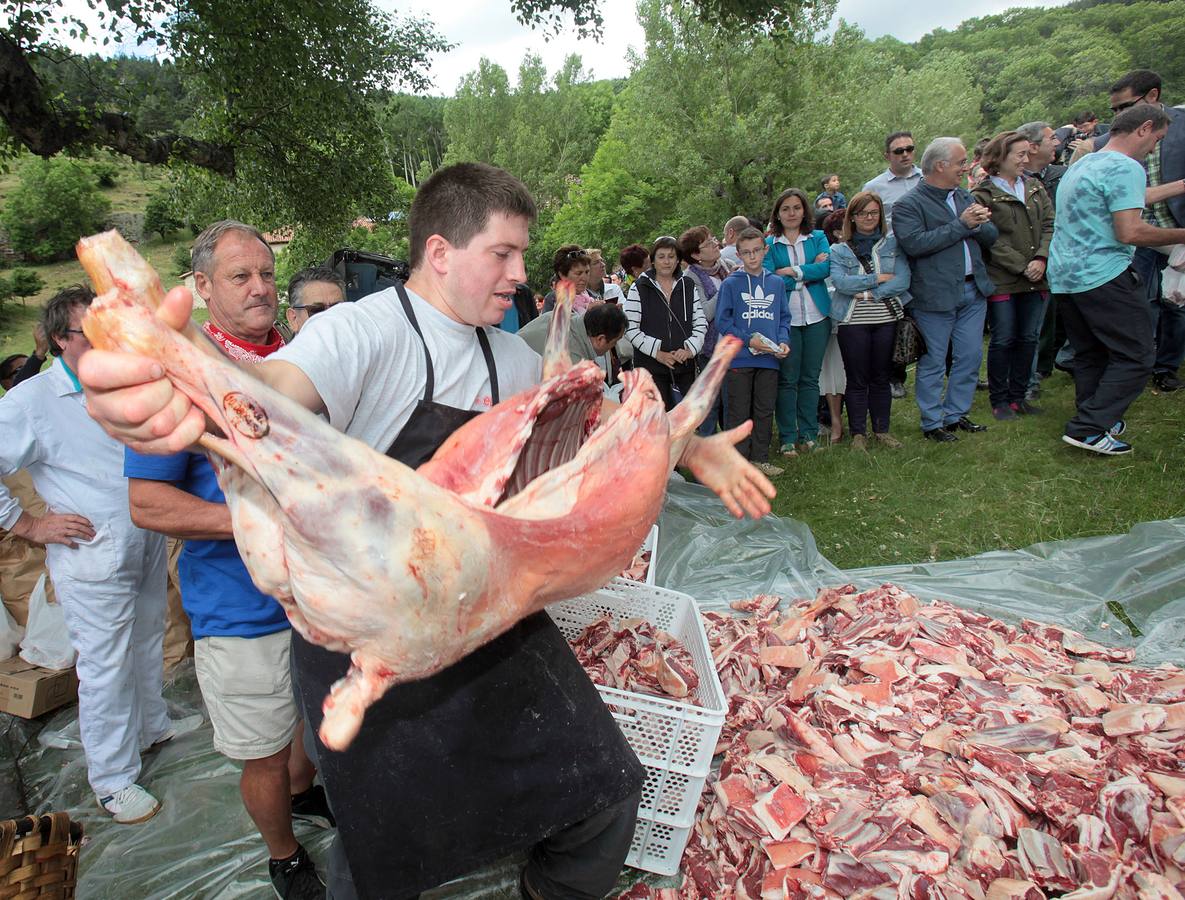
(901, 151)
(75, 331)
(868, 214)
(1120, 107)
(312, 308)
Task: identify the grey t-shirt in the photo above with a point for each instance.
(367, 364)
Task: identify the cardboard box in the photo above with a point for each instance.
(28, 691)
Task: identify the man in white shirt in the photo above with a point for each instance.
(109, 576)
(424, 359)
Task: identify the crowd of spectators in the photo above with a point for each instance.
(959, 244)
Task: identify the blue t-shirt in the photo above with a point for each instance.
(1085, 252)
(218, 595)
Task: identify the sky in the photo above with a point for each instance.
(488, 28)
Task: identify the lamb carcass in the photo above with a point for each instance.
(409, 571)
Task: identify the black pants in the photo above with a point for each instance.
(1016, 325)
(867, 352)
(581, 862)
(750, 394)
(1111, 333)
(1053, 337)
(665, 378)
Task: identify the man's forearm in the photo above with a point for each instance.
(1164, 191)
(1144, 235)
(165, 508)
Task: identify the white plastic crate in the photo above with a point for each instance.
(651, 544)
(674, 740)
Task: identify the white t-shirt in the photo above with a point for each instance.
(367, 363)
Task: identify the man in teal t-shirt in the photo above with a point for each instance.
(1100, 296)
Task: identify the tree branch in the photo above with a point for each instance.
(43, 130)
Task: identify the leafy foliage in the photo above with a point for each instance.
(543, 130)
(160, 216)
(55, 201)
(25, 283)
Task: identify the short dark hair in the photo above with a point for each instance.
(55, 316)
(896, 134)
(10, 365)
(1083, 117)
(826, 178)
(633, 257)
(1138, 81)
(998, 148)
(313, 275)
(690, 240)
(568, 256)
(749, 234)
(604, 320)
(832, 224)
(666, 242)
(457, 201)
(808, 219)
(1133, 117)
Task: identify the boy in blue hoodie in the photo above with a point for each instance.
(752, 306)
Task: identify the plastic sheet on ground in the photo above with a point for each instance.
(203, 845)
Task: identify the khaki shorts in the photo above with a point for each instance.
(247, 686)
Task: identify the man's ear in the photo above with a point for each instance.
(201, 284)
(1153, 96)
(437, 250)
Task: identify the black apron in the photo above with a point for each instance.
(490, 756)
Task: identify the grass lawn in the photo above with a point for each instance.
(1015, 484)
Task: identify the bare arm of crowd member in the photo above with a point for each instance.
(163, 507)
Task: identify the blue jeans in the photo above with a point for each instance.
(1168, 321)
(961, 330)
(1012, 350)
(797, 408)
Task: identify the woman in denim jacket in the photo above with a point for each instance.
(800, 256)
(871, 280)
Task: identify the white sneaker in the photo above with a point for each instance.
(130, 806)
(177, 727)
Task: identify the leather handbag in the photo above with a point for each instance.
(908, 343)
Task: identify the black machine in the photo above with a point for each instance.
(365, 273)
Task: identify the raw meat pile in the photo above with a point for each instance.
(879, 748)
(636, 656)
(638, 567)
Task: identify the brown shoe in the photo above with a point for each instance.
(887, 440)
(859, 442)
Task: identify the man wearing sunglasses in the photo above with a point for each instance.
(901, 177)
(895, 182)
(312, 290)
(1164, 208)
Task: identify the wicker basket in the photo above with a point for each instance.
(39, 857)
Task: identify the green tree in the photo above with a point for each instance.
(55, 202)
(160, 216)
(25, 283)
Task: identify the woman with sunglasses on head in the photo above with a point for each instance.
(801, 256)
(871, 280)
(667, 326)
(311, 291)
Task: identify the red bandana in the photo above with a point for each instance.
(240, 350)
